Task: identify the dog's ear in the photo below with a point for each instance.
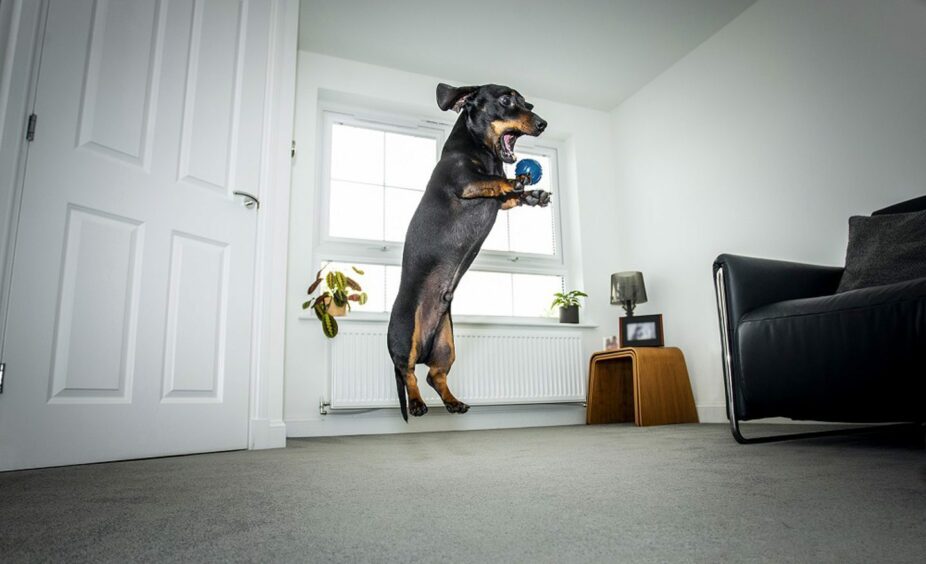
(450, 97)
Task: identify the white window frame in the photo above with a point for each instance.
(351, 250)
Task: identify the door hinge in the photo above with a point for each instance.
(2, 370)
(292, 150)
(30, 127)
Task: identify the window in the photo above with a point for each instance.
(374, 172)
(376, 180)
(525, 229)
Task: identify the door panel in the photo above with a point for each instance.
(94, 348)
(196, 324)
(211, 94)
(129, 327)
(118, 92)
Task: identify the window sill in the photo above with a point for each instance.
(361, 317)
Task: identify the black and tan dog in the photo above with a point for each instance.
(459, 207)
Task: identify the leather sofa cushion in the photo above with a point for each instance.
(857, 356)
(884, 249)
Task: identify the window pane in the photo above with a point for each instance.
(498, 237)
(483, 293)
(372, 281)
(409, 160)
(356, 154)
(533, 294)
(355, 210)
(400, 206)
(393, 277)
(531, 230)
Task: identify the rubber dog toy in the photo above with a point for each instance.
(531, 168)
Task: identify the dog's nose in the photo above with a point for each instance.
(541, 124)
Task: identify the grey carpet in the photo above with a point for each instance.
(611, 493)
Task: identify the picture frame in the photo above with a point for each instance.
(642, 331)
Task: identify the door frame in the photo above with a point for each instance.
(21, 22)
(23, 19)
(267, 428)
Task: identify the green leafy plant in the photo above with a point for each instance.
(331, 295)
(567, 299)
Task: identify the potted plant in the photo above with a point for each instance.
(568, 303)
(335, 291)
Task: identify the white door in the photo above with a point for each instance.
(129, 326)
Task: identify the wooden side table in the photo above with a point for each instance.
(646, 385)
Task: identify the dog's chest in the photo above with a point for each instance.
(478, 217)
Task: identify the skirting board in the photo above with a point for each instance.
(389, 421)
(264, 433)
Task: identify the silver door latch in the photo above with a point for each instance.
(250, 201)
(2, 370)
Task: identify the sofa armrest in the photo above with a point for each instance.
(744, 284)
(754, 282)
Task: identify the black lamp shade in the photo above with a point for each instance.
(627, 287)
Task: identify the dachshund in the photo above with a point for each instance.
(456, 213)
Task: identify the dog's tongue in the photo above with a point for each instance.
(508, 140)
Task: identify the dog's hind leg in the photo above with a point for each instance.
(443, 353)
(416, 405)
(404, 347)
(410, 400)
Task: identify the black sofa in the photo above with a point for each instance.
(793, 347)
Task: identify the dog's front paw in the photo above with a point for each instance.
(536, 198)
(519, 182)
(456, 407)
(417, 408)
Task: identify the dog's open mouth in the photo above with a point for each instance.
(506, 145)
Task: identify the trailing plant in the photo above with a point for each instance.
(335, 291)
(567, 299)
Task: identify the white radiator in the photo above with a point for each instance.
(494, 366)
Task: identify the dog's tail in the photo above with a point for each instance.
(403, 397)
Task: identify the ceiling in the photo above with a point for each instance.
(592, 53)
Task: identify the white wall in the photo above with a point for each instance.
(585, 185)
(763, 141)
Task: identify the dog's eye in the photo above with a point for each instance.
(506, 101)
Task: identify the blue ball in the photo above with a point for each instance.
(531, 168)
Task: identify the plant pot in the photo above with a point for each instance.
(335, 310)
(569, 314)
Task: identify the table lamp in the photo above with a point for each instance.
(627, 290)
